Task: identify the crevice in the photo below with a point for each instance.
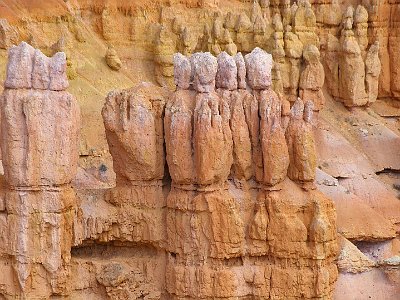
(113, 249)
(388, 171)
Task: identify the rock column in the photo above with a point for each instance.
(204, 226)
(39, 143)
(135, 135)
(312, 78)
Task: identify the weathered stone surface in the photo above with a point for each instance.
(40, 133)
(204, 67)
(178, 124)
(112, 59)
(29, 68)
(19, 68)
(40, 137)
(373, 70)
(127, 115)
(8, 34)
(352, 260)
(182, 71)
(361, 27)
(352, 74)
(301, 144)
(239, 102)
(272, 137)
(163, 57)
(312, 78)
(331, 64)
(121, 242)
(212, 139)
(258, 66)
(40, 126)
(227, 72)
(241, 67)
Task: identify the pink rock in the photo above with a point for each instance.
(241, 68)
(58, 74)
(29, 68)
(19, 68)
(40, 72)
(39, 137)
(259, 66)
(204, 67)
(227, 72)
(238, 100)
(134, 131)
(182, 71)
(301, 143)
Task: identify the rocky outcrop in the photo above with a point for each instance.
(351, 66)
(312, 77)
(112, 59)
(250, 143)
(127, 114)
(40, 128)
(301, 144)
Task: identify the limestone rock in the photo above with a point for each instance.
(241, 68)
(373, 70)
(164, 50)
(50, 122)
(258, 66)
(8, 35)
(312, 78)
(239, 102)
(361, 27)
(331, 65)
(204, 67)
(274, 149)
(182, 71)
(188, 41)
(227, 72)
(301, 144)
(244, 33)
(352, 260)
(212, 139)
(178, 124)
(19, 67)
(127, 115)
(304, 23)
(46, 117)
(352, 73)
(40, 133)
(112, 59)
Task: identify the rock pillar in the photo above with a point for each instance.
(39, 143)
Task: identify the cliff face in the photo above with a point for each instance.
(230, 174)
